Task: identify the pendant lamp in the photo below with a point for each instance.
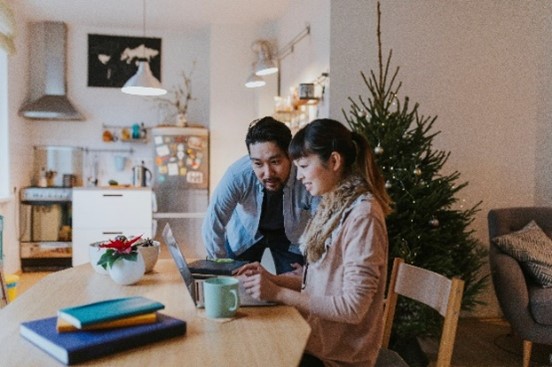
(143, 83)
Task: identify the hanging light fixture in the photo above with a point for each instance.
(265, 60)
(143, 83)
(254, 81)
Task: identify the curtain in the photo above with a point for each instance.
(7, 27)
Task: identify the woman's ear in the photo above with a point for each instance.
(336, 161)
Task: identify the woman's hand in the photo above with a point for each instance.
(257, 281)
(259, 286)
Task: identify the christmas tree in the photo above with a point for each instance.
(428, 227)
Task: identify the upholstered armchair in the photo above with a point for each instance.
(526, 305)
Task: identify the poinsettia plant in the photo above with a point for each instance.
(119, 248)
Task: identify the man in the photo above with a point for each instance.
(259, 203)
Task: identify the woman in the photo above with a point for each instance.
(342, 286)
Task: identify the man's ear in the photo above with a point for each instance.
(335, 161)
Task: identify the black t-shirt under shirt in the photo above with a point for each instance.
(271, 224)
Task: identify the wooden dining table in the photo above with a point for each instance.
(257, 336)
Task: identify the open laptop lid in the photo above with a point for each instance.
(180, 260)
(195, 286)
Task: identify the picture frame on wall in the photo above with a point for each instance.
(112, 59)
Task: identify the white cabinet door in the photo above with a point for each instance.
(111, 208)
(99, 215)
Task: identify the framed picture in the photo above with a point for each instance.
(112, 59)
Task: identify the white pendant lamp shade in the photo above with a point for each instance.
(143, 83)
(254, 81)
(265, 64)
(265, 67)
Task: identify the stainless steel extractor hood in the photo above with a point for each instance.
(47, 81)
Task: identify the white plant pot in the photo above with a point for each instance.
(150, 254)
(94, 254)
(125, 272)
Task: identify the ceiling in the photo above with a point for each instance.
(160, 14)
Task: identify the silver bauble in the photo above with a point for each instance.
(434, 222)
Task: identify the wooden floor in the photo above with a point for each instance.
(479, 342)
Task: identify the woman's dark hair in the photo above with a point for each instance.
(324, 136)
(268, 129)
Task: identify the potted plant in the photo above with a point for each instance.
(150, 252)
(122, 260)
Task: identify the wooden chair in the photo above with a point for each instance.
(434, 290)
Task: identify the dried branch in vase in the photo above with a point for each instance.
(179, 96)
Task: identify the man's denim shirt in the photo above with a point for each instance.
(231, 225)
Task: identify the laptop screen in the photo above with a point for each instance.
(179, 259)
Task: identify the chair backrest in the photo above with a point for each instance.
(432, 289)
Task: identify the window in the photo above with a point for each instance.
(4, 147)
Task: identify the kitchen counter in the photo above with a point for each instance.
(114, 187)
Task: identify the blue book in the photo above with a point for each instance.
(108, 310)
(80, 346)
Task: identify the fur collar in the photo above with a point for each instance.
(329, 214)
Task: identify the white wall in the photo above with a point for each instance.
(20, 151)
(483, 67)
(311, 56)
(232, 105)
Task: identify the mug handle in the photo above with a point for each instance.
(236, 300)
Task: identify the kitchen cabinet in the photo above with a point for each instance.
(101, 214)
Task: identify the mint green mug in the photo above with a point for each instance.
(221, 297)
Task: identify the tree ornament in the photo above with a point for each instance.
(417, 171)
(434, 222)
(394, 100)
(361, 113)
(388, 184)
(378, 150)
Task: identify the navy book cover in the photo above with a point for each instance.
(80, 346)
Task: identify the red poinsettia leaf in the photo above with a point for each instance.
(122, 246)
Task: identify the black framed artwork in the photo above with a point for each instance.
(112, 59)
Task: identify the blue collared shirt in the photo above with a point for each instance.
(231, 225)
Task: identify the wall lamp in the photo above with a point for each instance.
(265, 64)
(267, 61)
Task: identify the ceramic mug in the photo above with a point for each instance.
(221, 297)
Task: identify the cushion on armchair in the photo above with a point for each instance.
(533, 249)
(540, 303)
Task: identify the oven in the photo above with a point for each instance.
(45, 228)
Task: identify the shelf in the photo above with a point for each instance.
(114, 133)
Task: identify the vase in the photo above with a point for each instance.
(150, 254)
(126, 272)
(181, 120)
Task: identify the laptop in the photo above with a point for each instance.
(194, 282)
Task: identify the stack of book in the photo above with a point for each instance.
(93, 330)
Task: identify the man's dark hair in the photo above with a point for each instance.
(268, 129)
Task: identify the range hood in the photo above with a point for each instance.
(47, 81)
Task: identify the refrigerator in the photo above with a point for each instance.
(181, 185)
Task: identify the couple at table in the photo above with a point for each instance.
(318, 202)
